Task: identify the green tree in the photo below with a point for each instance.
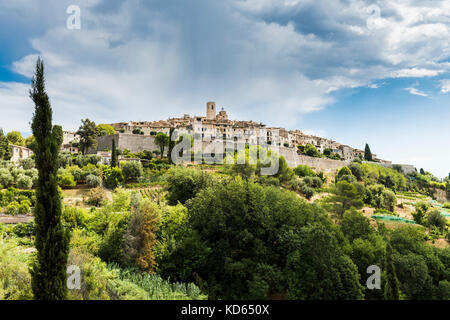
(88, 135)
(5, 151)
(162, 140)
(132, 170)
(184, 183)
(113, 154)
(344, 171)
(436, 219)
(311, 151)
(354, 225)
(171, 145)
(15, 137)
(319, 270)
(30, 142)
(105, 130)
(367, 153)
(420, 213)
(48, 271)
(284, 173)
(356, 170)
(392, 288)
(304, 171)
(140, 239)
(343, 196)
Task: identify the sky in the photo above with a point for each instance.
(375, 72)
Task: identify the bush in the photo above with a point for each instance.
(313, 182)
(184, 184)
(92, 181)
(132, 170)
(24, 182)
(96, 197)
(436, 219)
(15, 277)
(304, 171)
(446, 205)
(356, 170)
(11, 209)
(348, 178)
(6, 179)
(66, 180)
(27, 163)
(344, 171)
(112, 177)
(23, 208)
(308, 192)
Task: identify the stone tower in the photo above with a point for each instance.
(210, 110)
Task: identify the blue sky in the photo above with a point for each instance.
(354, 71)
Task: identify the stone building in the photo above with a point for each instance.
(19, 153)
(69, 138)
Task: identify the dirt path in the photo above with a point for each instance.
(16, 219)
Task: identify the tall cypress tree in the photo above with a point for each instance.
(367, 153)
(392, 289)
(49, 269)
(113, 154)
(171, 145)
(5, 151)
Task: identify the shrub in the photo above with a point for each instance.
(92, 181)
(66, 180)
(304, 171)
(269, 180)
(313, 182)
(140, 239)
(446, 205)
(344, 171)
(436, 219)
(23, 208)
(112, 177)
(184, 184)
(308, 192)
(94, 282)
(11, 209)
(132, 170)
(24, 182)
(96, 197)
(356, 170)
(27, 163)
(6, 178)
(348, 178)
(15, 278)
(311, 151)
(421, 210)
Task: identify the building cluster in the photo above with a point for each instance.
(217, 126)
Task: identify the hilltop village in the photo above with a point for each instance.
(217, 126)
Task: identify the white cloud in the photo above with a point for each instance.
(445, 85)
(267, 60)
(416, 92)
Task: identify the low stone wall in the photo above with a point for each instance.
(133, 142)
(320, 164)
(407, 168)
(136, 143)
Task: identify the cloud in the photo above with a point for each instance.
(264, 60)
(416, 92)
(445, 85)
